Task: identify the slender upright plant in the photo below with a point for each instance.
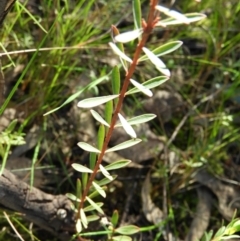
(88, 187)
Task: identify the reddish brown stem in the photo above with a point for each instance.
(146, 32)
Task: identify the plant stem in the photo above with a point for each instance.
(147, 29)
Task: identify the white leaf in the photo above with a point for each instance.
(173, 14)
(142, 88)
(105, 172)
(129, 130)
(128, 36)
(86, 147)
(192, 17)
(95, 101)
(79, 226)
(157, 62)
(118, 52)
(124, 145)
(95, 205)
(150, 84)
(80, 168)
(139, 119)
(99, 189)
(99, 118)
(117, 164)
(83, 218)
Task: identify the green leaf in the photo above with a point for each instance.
(101, 137)
(75, 95)
(164, 49)
(142, 88)
(108, 111)
(118, 52)
(93, 194)
(117, 164)
(127, 230)
(95, 101)
(91, 208)
(11, 126)
(157, 62)
(73, 197)
(116, 82)
(124, 145)
(106, 181)
(99, 189)
(99, 118)
(139, 119)
(86, 147)
(137, 14)
(78, 190)
(79, 226)
(192, 17)
(84, 179)
(92, 160)
(121, 238)
(129, 130)
(105, 172)
(172, 13)
(96, 207)
(220, 232)
(92, 218)
(83, 218)
(128, 36)
(207, 236)
(150, 84)
(114, 218)
(80, 168)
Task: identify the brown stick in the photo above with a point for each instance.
(52, 213)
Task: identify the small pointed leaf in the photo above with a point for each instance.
(116, 80)
(79, 226)
(87, 147)
(137, 14)
(92, 160)
(129, 130)
(150, 84)
(114, 218)
(92, 218)
(173, 14)
(164, 49)
(139, 119)
(128, 36)
(142, 88)
(91, 208)
(121, 238)
(108, 111)
(84, 180)
(192, 17)
(117, 164)
(106, 181)
(99, 189)
(124, 145)
(73, 197)
(100, 137)
(118, 52)
(157, 62)
(80, 168)
(95, 205)
(99, 118)
(127, 230)
(105, 172)
(83, 218)
(96, 101)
